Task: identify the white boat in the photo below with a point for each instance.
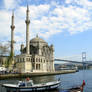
(28, 86)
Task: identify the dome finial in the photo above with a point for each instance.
(37, 35)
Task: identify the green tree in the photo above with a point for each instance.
(9, 60)
(4, 49)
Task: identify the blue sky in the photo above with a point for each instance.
(65, 23)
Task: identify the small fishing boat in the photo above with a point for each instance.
(75, 89)
(29, 86)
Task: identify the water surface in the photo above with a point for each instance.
(67, 80)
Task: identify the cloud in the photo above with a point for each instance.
(73, 16)
(83, 3)
(10, 4)
(4, 24)
(39, 11)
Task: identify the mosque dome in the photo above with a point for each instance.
(37, 39)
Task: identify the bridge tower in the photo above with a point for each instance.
(84, 60)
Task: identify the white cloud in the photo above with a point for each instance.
(84, 3)
(73, 18)
(45, 20)
(38, 11)
(4, 24)
(10, 4)
(68, 1)
(49, 33)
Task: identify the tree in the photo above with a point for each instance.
(4, 49)
(9, 60)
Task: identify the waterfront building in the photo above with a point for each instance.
(37, 56)
(40, 59)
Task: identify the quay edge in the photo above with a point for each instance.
(24, 75)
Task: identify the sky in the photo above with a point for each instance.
(67, 24)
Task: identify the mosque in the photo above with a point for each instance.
(36, 56)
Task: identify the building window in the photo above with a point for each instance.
(18, 59)
(39, 66)
(28, 59)
(42, 53)
(36, 59)
(33, 66)
(33, 60)
(36, 66)
(23, 59)
(41, 60)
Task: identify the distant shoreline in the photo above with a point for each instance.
(24, 75)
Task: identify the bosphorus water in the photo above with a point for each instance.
(67, 80)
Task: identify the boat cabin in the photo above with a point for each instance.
(25, 83)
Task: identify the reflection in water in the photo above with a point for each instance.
(43, 79)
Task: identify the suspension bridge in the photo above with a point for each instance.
(81, 59)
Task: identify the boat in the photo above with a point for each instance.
(29, 86)
(75, 89)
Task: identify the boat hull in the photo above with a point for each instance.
(32, 89)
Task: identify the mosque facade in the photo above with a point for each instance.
(36, 56)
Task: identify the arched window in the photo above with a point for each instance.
(33, 60)
(42, 53)
(39, 66)
(36, 59)
(39, 59)
(36, 66)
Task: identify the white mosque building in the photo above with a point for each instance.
(36, 56)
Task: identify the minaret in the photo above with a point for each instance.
(12, 35)
(27, 21)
